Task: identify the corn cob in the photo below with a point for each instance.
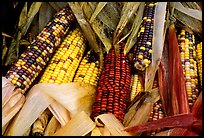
(63, 65)
(188, 55)
(89, 69)
(40, 124)
(113, 91)
(143, 48)
(136, 86)
(36, 56)
(199, 61)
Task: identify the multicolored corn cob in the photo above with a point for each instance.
(37, 55)
(143, 48)
(199, 61)
(113, 91)
(89, 69)
(136, 86)
(186, 44)
(63, 65)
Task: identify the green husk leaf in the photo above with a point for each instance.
(98, 9)
(157, 44)
(135, 28)
(85, 26)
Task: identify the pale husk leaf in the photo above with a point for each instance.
(80, 125)
(112, 123)
(157, 44)
(96, 132)
(51, 127)
(197, 14)
(75, 96)
(36, 103)
(61, 113)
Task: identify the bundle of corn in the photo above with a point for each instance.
(89, 69)
(187, 53)
(143, 47)
(114, 86)
(136, 86)
(199, 61)
(62, 68)
(36, 56)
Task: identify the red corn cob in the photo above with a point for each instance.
(113, 91)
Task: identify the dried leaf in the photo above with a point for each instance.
(52, 126)
(197, 14)
(45, 15)
(189, 21)
(85, 26)
(31, 14)
(80, 125)
(54, 6)
(23, 17)
(98, 9)
(110, 15)
(128, 13)
(177, 82)
(135, 28)
(180, 120)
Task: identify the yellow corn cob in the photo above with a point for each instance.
(63, 65)
(188, 55)
(199, 61)
(65, 62)
(136, 86)
(89, 69)
(37, 55)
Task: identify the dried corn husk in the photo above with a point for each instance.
(80, 125)
(114, 126)
(75, 97)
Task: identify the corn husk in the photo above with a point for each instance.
(127, 13)
(36, 103)
(75, 97)
(12, 102)
(52, 127)
(98, 9)
(80, 125)
(61, 113)
(96, 132)
(114, 126)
